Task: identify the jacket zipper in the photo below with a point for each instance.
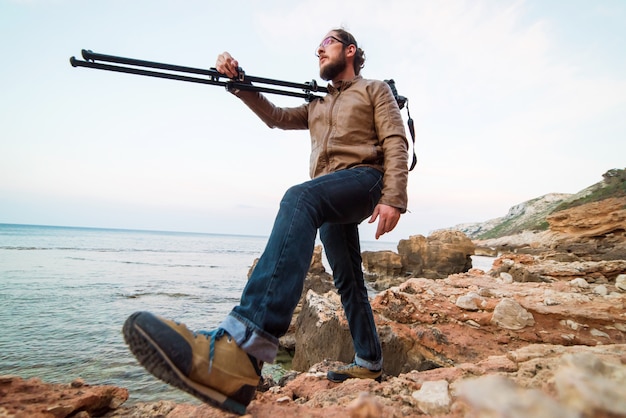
(330, 130)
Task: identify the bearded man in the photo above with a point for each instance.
(358, 170)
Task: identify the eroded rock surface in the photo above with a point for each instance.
(440, 254)
(33, 398)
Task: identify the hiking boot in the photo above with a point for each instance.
(353, 371)
(207, 364)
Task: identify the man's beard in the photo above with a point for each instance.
(333, 69)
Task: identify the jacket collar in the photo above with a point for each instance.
(342, 85)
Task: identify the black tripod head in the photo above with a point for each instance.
(400, 99)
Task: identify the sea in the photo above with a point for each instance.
(65, 293)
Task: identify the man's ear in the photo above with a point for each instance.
(350, 50)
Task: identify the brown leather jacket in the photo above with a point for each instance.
(356, 124)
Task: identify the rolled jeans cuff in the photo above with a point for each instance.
(369, 365)
(250, 339)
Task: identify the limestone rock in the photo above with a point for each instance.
(528, 268)
(497, 396)
(383, 268)
(321, 332)
(590, 385)
(35, 399)
(443, 253)
(365, 406)
(542, 380)
(511, 315)
(425, 324)
(433, 397)
(590, 232)
(317, 266)
(471, 302)
(591, 220)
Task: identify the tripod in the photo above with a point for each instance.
(215, 78)
(201, 75)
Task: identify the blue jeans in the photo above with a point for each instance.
(335, 204)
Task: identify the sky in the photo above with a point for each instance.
(511, 100)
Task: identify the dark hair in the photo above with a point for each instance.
(359, 56)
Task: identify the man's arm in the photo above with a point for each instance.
(273, 116)
(390, 128)
(392, 137)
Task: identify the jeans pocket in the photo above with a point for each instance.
(375, 184)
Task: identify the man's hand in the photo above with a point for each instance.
(227, 65)
(388, 218)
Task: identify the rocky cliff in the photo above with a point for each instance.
(590, 225)
(533, 215)
(592, 231)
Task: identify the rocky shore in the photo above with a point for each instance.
(541, 334)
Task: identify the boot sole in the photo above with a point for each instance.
(342, 378)
(152, 358)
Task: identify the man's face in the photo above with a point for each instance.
(332, 60)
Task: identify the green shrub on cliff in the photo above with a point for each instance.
(613, 185)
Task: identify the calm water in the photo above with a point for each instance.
(66, 292)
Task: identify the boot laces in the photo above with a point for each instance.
(347, 367)
(213, 335)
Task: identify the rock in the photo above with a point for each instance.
(531, 212)
(506, 277)
(601, 290)
(591, 220)
(527, 268)
(433, 397)
(470, 302)
(441, 332)
(317, 266)
(590, 385)
(467, 389)
(486, 251)
(497, 396)
(158, 409)
(423, 327)
(598, 333)
(382, 263)
(579, 282)
(365, 406)
(620, 282)
(36, 399)
(321, 332)
(589, 232)
(542, 380)
(511, 315)
(443, 253)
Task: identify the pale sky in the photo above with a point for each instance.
(511, 100)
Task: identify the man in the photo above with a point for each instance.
(358, 170)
